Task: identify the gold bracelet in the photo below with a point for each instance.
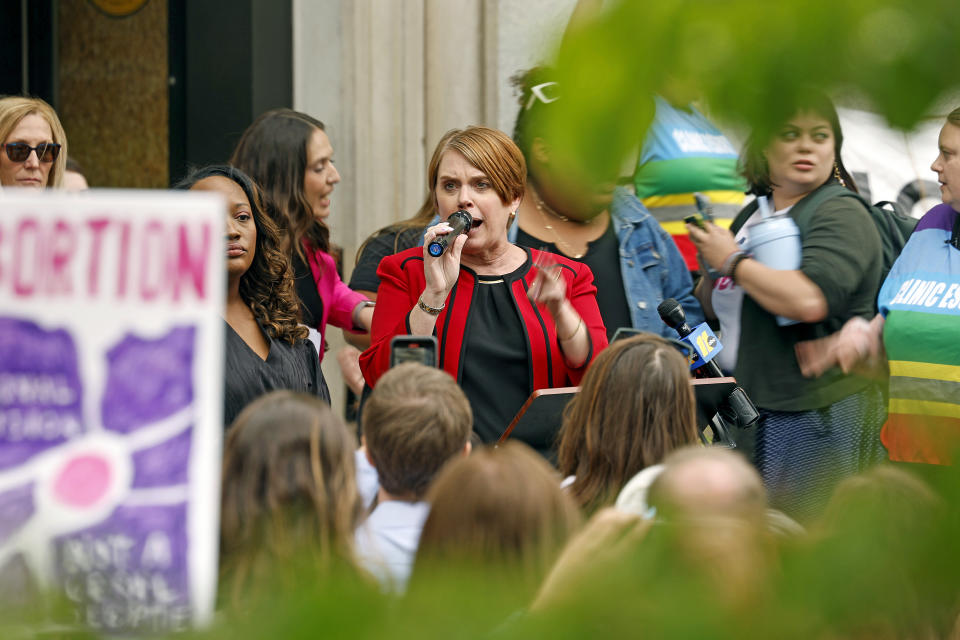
(433, 311)
(575, 332)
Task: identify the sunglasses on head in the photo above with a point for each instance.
(545, 92)
(20, 151)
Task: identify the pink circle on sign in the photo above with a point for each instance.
(82, 481)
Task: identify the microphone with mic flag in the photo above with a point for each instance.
(737, 408)
(702, 340)
(461, 221)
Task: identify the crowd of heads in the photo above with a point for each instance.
(661, 524)
(504, 549)
(651, 527)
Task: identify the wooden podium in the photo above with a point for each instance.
(537, 423)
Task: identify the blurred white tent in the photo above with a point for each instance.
(889, 164)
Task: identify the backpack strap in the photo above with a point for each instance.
(955, 235)
(899, 225)
(803, 210)
(889, 204)
(743, 216)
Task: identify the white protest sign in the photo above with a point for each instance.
(111, 383)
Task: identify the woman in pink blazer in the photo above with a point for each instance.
(289, 154)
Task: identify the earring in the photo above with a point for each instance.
(836, 174)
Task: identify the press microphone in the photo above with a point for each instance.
(461, 221)
(703, 341)
(738, 408)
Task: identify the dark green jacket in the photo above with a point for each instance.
(841, 254)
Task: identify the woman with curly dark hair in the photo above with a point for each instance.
(266, 347)
(290, 156)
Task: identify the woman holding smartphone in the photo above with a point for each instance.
(812, 432)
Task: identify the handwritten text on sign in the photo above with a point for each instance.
(150, 260)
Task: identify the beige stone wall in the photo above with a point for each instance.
(389, 77)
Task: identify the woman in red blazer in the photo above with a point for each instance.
(508, 320)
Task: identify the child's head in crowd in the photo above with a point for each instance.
(415, 420)
(498, 515)
(289, 490)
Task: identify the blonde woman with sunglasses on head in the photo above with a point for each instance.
(34, 144)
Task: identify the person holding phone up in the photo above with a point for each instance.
(812, 432)
(508, 320)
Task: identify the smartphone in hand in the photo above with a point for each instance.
(704, 206)
(422, 349)
(696, 219)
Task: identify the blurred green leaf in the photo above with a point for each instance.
(747, 59)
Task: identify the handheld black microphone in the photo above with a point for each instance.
(673, 316)
(461, 221)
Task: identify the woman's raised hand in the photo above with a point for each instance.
(548, 287)
(441, 273)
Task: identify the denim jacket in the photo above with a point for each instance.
(650, 264)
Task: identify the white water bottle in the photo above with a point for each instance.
(775, 242)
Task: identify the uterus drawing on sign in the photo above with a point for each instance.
(104, 497)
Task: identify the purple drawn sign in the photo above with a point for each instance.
(40, 390)
(111, 498)
(111, 404)
(148, 379)
(130, 572)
